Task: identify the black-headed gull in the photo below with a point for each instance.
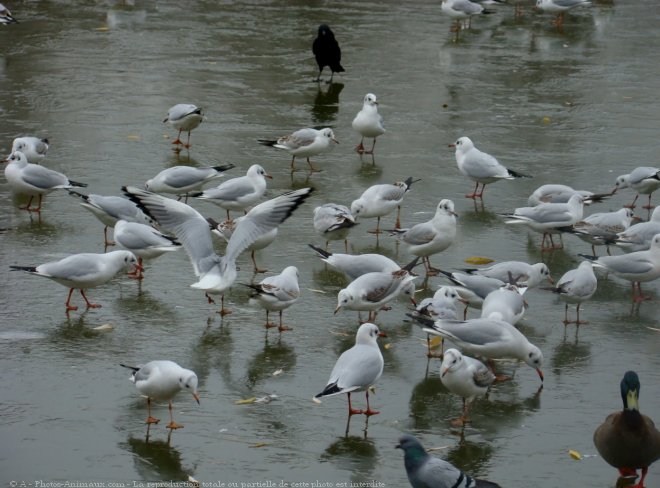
(34, 180)
(144, 241)
(479, 166)
(637, 267)
(628, 440)
(304, 143)
(368, 123)
(380, 200)
(466, 377)
(638, 237)
(441, 306)
(473, 289)
(355, 265)
(83, 271)
(333, 222)
(506, 303)
(576, 286)
(357, 368)
(524, 274)
(425, 471)
(555, 193)
(327, 52)
(5, 16)
(110, 209)
(181, 180)
(162, 380)
(184, 117)
(216, 273)
(601, 228)
(462, 10)
(34, 148)
(643, 179)
(276, 293)
(431, 237)
(237, 193)
(226, 229)
(559, 7)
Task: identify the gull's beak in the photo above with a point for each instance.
(382, 334)
(614, 190)
(335, 140)
(443, 372)
(451, 145)
(166, 119)
(552, 282)
(540, 373)
(196, 397)
(463, 300)
(412, 299)
(337, 310)
(270, 177)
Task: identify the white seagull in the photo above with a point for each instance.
(479, 166)
(524, 274)
(473, 289)
(333, 222)
(304, 143)
(216, 274)
(184, 117)
(83, 271)
(638, 237)
(357, 368)
(576, 286)
(462, 10)
(180, 180)
(276, 293)
(162, 380)
(602, 228)
(555, 193)
(368, 123)
(34, 180)
(559, 7)
(5, 16)
(34, 148)
(506, 303)
(355, 265)
(643, 179)
(380, 200)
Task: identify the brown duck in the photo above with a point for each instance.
(629, 440)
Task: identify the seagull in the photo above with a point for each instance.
(473, 289)
(629, 440)
(33, 148)
(576, 286)
(372, 291)
(547, 218)
(559, 7)
(506, 303)
(561, 193)
(462, 10)
(601, 228)
(276, 293)
(327, 52)
(333, 222)
(527, 275)
(380, 200)
(368, 123)
(490, 338)
(304, 143)
(180, 180)
(479, 166)
(83, 271)
(216, 274)
(433, 236)
(34, 180)
(441, 306)
(425, 471)
(354, 266)
(144, 241)
(5, 16)
(226, 229)
(184, 117)
(466, 377)
(638, 237)
(644, 180)
(637, 267)
(110, 209)
(238, 193)
(162, 380)
(357, 368)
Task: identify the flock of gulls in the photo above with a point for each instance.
(157, 217)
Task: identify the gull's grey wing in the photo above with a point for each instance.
(231, 190)
(357, 367)
(419, 234)
(42, 177)
(627, 263)
(75, 267)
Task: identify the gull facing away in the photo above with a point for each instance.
(527, 275)
(180, 180)
(466, 377)
(368, 123)
(83, 271)
(5, 16)
(216, 274)
(560, 7)
(637, 267)
(643, 179)
(479, 166)
(356, 265)
(357, 368)
(380, 200)
(506, 303)
(333, 222)
(33, 148)
(576, 286)
(638, 237)
(426, 471)
(34, 180)
(226, 229)
(561, 193)
(433, 236)
(184, 117)
(162, 380)
(276, 293)
(238, 193)
(304, 143)
(327, 52)
(110, 209)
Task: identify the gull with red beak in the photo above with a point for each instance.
(304, 143)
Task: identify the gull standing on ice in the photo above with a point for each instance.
(357, 368)
(162, 380)
(473, 289)
(380, 200)
(462, 10)
(601, 228)
(576, 286)
(304, 143)
(34, 180)
(525, 274)
(276, 293)
(180, 180)
(441, 306)
(333, 222)
(327, 52)
(83, 271)
(216, 274)
(479, 166)
(644, 180)
(368, 123)
(561, 194)
(184, 117)
(33, 148)
(559, 7)
(506, 303)
(355, 265)
(638, 237)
